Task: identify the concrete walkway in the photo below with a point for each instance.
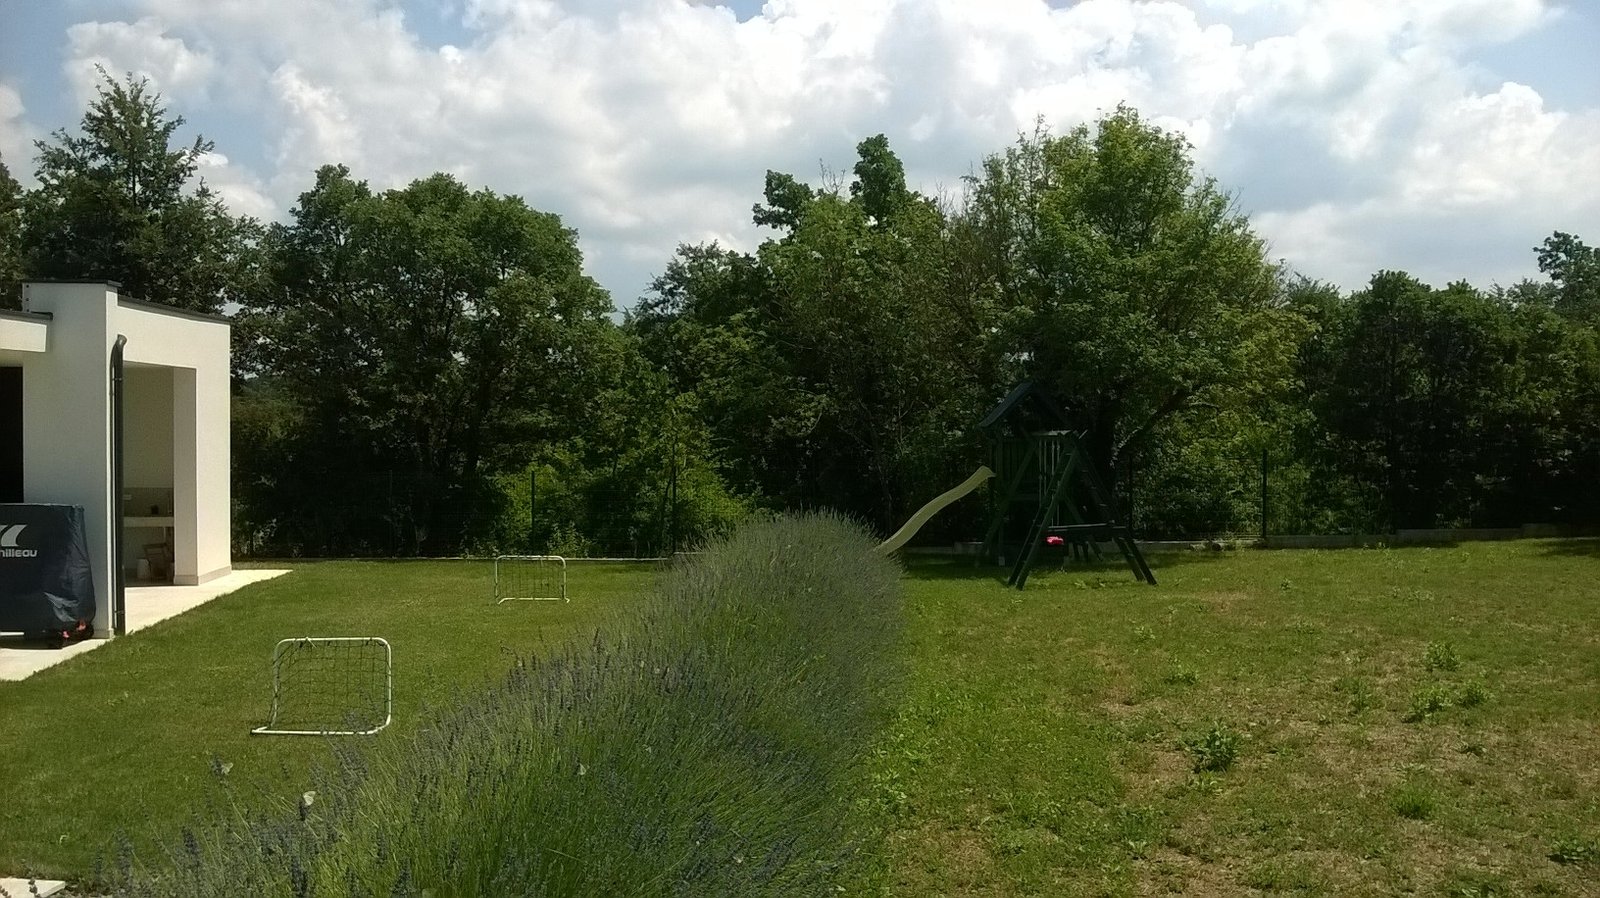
(21, 888)
(146, 605)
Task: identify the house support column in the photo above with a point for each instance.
(186, 466)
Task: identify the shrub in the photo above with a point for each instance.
(708, 743)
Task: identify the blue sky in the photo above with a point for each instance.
(1446, 137)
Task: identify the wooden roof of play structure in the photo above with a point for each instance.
(1026, 409)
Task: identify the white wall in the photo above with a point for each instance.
(66, 421)
(66, 415)
(196, 350)
(23, 336)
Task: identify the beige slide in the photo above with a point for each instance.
(904, 534)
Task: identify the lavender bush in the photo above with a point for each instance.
(708, 743)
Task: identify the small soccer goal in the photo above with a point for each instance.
(330, 686)
(530, 578)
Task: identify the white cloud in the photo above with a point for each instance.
(142, 48)
(241, 190)
(1483, 178)
(16, 136)
(1350, 128)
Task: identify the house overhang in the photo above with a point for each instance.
(24, 331)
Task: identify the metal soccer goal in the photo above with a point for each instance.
(331, 686)
(530, 578)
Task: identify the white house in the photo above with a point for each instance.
(57, 358)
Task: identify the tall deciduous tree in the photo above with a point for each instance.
(120, 201)
(1420, 392)
(1131, 284)
(433, 336)
(834, 365)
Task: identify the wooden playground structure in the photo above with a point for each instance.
(1046, 491)
(1045, 477)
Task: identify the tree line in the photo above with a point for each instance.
(429, 369)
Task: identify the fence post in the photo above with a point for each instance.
(672, 507)
(1263, 497)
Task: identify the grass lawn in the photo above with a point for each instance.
(123, 738)
(1377, 722)
(1359, 722)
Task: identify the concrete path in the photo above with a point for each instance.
(20, 888)
(146, 605)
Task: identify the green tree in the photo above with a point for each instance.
(641, 480)
(1574, 269)
(121, 202)
(837, 366)
(706, 324)
(433, 338)
(1421, 394)
(1130, 285)
(10, 238)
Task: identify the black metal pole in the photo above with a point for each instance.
(1130, 495)
(119, 578)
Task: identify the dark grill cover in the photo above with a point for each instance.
(45, 583)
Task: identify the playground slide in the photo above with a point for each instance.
(904, 534)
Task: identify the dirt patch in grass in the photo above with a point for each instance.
(1169, 872)
(949, 861)
(1226, 602)
(1169, 769)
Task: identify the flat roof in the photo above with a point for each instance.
(158, 308)
(25, 316)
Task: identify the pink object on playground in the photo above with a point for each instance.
(1054, 541)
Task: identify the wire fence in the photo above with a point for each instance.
(650, 513)
(539, 512)
(1276, 492)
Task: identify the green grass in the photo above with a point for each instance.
(123, 738)
(1056, 740)
(1049, 742)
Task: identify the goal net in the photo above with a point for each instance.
(330, 686)
(530, 578)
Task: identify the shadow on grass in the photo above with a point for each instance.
(1579, 547)
(965, 567)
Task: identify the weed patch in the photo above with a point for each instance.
(1414, 801)
(1441, 656)
(1472, 694)
(1358, 693)
(1212, 749)
(1572, 850)
(1427, 702)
